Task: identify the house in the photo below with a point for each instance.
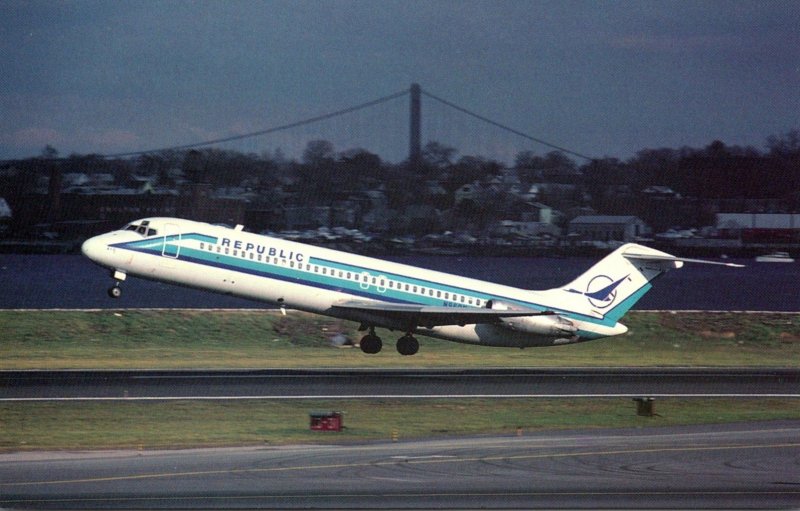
(538, 212)
(508, 228)
(759, 227)
(607, 228)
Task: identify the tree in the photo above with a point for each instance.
(438, 155)
(317, 151)
(784, 145)
(357, 169)
(49, 153)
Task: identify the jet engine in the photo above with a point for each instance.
(548, 324)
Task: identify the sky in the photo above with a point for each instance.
(601, 78)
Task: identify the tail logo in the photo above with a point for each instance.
(601, 291)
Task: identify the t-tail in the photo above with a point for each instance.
(612, 287)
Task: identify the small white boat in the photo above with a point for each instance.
(775, 257)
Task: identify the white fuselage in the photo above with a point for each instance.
(315, 279)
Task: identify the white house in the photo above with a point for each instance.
(608, 227)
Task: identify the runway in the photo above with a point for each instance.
(397, 384)
(735, 466)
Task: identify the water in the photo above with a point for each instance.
(74, 282)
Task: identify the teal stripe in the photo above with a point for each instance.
(300, 275)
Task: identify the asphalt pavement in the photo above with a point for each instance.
(371, 384)
(734, 466)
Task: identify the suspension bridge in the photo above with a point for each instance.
(395, 127)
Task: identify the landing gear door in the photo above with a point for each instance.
(172, 241)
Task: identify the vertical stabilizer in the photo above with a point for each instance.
(612, 286)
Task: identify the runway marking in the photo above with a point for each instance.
(392, 396)
(428, 457)
(427, 461)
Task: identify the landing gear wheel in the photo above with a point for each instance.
(407, 345)
(115, 291)
(371, 344)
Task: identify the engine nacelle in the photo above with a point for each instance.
(553, 325)
(548, 325)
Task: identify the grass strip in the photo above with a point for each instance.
(174, 339)
(186, 424)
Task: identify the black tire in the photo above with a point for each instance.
(407, 345)
(371, 344)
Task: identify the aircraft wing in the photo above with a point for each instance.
(413, 315)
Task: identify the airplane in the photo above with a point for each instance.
(378, 293)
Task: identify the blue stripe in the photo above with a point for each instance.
(154, 246)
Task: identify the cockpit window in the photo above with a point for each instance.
(142, 228)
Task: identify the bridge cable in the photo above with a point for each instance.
(504, 127)
(268, 130)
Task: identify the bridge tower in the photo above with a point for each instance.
(415, 133)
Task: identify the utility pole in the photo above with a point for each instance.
(415, 132)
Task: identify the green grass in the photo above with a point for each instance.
(183, 424)
(173, 339)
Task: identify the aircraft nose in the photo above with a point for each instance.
(92, 248)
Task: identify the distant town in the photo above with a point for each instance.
(714, 201)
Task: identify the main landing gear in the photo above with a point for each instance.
(372, 344)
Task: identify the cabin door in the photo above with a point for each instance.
(172, 241)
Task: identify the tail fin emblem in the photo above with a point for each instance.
(601, 291)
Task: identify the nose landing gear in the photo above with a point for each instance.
(115, 291)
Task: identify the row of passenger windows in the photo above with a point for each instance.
(360, 278)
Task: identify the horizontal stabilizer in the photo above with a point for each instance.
(671, 258)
